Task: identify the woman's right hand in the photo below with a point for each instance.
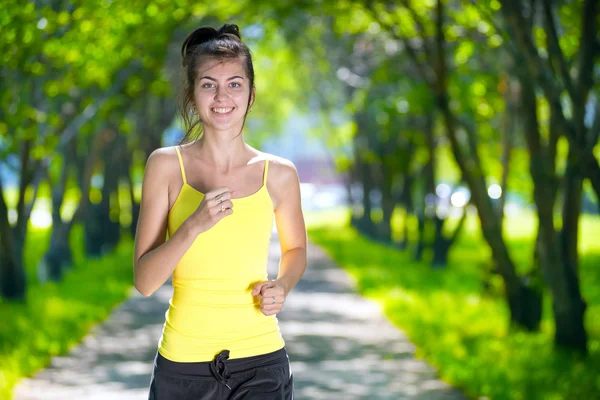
(215, 206)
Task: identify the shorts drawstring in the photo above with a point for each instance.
(219, 368)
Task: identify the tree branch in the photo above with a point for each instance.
(97, 144)
(587, 47)
(594, 131)
(421, 28)
(26, 175)
(40, 167)
(423, 68)
(554, 49)
(490, 20)
(5, 229)
(535, 66)
(90, 111)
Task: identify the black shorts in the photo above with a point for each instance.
(263, 377)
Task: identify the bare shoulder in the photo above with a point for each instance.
(162, 169)
(282, 171)
(163, 156)
(163, 161)
(282, 181)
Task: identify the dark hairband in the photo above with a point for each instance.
(207, 33)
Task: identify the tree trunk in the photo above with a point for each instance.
(365, 222)
(567, 304)
(421, 243)
(102, 233)
(110, 208)
(126, 175)
(434, 73)
(442, 244)
(406, 199)
(12, 274)
(388, 203)
(135, 206)
(516, 290)
(526, 306)
(570, 330)
(507, 130)
(540, 73)
(557, 272)
(13, 279)
(473, 175)
(93, 228)
(59, 254)
(569, 234)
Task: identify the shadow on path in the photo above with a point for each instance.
(340, 346)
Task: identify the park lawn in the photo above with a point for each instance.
(56, 317)
(459, 329)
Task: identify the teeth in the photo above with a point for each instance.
(222, 110)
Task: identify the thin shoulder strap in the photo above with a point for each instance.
(181, 165)
(265, 173)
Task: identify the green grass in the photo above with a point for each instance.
(462, 329)
(55, 317)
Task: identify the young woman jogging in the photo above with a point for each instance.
(217, 197)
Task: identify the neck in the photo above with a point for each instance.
(223, 149)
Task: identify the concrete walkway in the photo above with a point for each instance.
(340, 346)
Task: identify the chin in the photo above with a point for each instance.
(223, 126)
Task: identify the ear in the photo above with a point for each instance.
(252, 96)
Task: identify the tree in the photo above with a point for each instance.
(557, 249)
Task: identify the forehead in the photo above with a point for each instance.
(221, 68)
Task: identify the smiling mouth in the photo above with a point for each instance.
(223, 110)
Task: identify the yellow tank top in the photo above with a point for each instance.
(212, 307)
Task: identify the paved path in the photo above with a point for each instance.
(340, 345)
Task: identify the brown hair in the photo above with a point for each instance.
(207, 42)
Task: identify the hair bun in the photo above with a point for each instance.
(200, 35)
(206, 33)
(230, 28)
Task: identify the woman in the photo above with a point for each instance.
(216, 197)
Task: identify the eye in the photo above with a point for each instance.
(206, 85)
(236, 84)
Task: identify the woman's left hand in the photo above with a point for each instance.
(271, 295)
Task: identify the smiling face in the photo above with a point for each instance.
(221, 94)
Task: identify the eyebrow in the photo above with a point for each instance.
(213, 79)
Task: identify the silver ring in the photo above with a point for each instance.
(222, 207)
(273, 300)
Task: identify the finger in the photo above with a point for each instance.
(220, 207)
(213, 193)
(217, 214)
(271, 300)
(220, 197)
(258, 288)
(271, 308)
(266, 286)
(269, 312)
(272, 292)
(224, 213)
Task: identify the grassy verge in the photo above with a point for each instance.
(55, 317)
(462, 329)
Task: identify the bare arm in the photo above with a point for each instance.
(292, 239)
(291, 230)
(155, 258)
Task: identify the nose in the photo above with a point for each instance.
(220, 93)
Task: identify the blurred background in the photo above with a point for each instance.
(447, 152)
